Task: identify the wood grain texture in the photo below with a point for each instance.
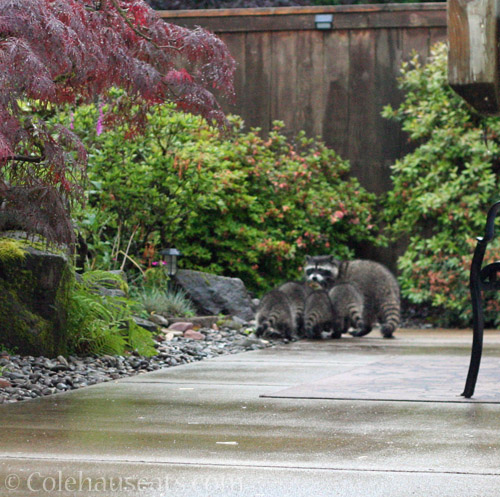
(363, 115)
(305, 21)
(309, 90)
(256, 95)
(473, 55)
(336, 84)
(284, 79)
(277, 11)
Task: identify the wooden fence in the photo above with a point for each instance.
(331, 83)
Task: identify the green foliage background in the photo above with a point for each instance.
(442, 191)
(238, 204)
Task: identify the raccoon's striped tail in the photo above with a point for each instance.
(356, 315)
(310, 326)
(389, 318)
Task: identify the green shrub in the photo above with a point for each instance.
(442, 191)
(239, 204)
(101, 324)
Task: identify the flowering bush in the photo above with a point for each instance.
(442, 191)
(239, 204)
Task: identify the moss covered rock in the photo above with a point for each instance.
(35, 286)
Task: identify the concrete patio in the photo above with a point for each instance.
(309, 418)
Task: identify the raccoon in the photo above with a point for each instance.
(297, 293)
(347, 307)
(275, 315)
(318, 315)
(322, 270)
(374, 281)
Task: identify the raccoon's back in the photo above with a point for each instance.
(275, 309)
(318, 308)
(375, 282)
(345, 294)
(296, 292)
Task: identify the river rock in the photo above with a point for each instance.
(5, 383)
(194, 335)
(180, 326)
(201, 321)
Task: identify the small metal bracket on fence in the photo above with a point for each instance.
(481, 279)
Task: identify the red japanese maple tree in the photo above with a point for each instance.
(55, 52)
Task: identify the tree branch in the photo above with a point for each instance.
(123, 14)
(24, 158)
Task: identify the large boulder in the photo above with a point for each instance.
(35, 289)
(213, 294)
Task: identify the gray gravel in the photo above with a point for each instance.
(26, 377)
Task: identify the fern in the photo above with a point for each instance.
(104, 279)
(101, 324)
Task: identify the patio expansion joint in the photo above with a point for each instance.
(198, 464)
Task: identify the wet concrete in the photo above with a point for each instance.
(204, 429)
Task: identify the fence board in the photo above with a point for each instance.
(284, 77)
(309, 94)
(388, 59)
(255, 97)
(363, 115)
(237, 46)
(336, 87)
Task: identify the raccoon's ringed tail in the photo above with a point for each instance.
(390, 318)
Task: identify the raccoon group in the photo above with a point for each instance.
(335, 297)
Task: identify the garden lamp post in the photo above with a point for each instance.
(169, 262)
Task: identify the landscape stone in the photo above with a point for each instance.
(148, 325)
(5, 383)
(194, 335)
(34, 299)
(213, 294)
(111, 292)
(201, 321)
(159, 320)
(180, 326)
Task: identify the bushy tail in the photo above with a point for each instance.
(390, 317)
(356, 315)
(311, 325)
(273, 327)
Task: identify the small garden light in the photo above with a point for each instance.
(323, 21)
(169, 261)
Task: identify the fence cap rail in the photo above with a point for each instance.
(281, 11)
(370, 16)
